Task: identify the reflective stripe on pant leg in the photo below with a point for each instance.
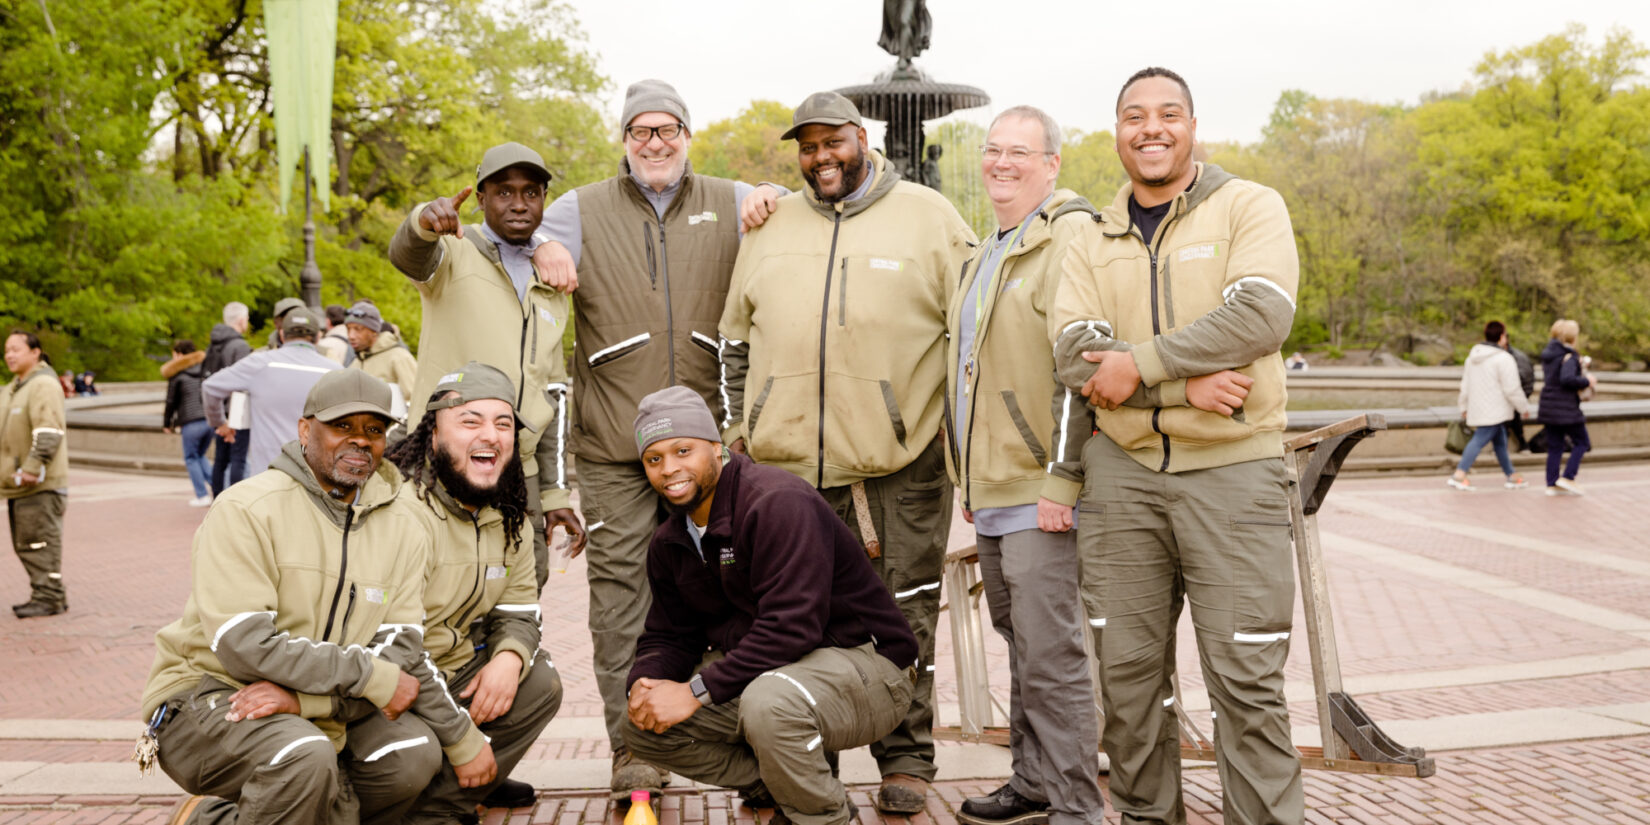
(1232, 525)
(1123, 533)
(619, 497)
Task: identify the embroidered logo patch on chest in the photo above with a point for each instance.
(887, 263)
(707, 215)
(545, 314)
(727, 556)
(1199, 252)
(497, 572)
(373, 595)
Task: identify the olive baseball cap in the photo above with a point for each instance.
(300, 321)
(473, 382)
(828, 108)
(506, 155)
(344, 392)
(286, 305)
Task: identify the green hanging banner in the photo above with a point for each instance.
(303, 37)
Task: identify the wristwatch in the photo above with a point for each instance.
(700, 692)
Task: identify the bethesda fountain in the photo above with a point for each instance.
(904, 97)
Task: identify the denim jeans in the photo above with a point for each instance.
(197, 435)
(229, 461)
(1491, 433)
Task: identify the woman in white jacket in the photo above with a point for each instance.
(1490, 395)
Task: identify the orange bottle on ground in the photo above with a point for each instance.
(641, 810)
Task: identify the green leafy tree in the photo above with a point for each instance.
(747, 147)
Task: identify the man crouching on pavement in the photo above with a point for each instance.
(306, 596)
(807, 653)
(465, 479)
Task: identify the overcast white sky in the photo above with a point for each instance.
(1069, 56)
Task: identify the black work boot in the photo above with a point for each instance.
(32, 610)
(511, 793)
(1004, 806)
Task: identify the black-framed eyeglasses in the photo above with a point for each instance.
(643, 134)
(1018, 154)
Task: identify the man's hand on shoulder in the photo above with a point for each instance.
(757, 206)
(441, 215)
(478, 771)
(1219, 392)
(555, 266)
(1114, 379)
(261, 699)
(659, 704)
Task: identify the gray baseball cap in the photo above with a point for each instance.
(347, 392)
(473, 382)
(828, 108)
(506, 155)
(286, 305)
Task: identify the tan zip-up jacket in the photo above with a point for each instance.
(471, 313)
(1001, 448)
(1213, 290)
(835, 329)
(650, 294)
(321, 597)
(479, 589)
(388, 361)
(32, 433)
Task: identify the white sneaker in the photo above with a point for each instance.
(1571, 487)
(203, 501)
(1554, 491)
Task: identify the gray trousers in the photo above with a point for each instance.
(781, 727)
(279, 769)
(1219, 538)
(36, 523)
(1030, 580)
(911, 510)
(400, 773)
(618, 498)
(541, 546)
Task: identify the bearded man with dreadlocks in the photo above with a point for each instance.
(482, 620)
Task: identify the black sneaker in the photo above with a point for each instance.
(757, 796)
(32, 610)
(511, 793)
(1004, 806)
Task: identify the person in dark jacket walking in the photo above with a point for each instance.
(1526, 380)
(185, 416)
(1563, 377)
(753, 667)
(227, 347)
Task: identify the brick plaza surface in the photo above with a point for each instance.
(1425, 581)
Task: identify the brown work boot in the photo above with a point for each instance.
(902, 794)
(186, 806)
(632, 774)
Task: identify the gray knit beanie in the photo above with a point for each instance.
(653, 96)
(674, 412)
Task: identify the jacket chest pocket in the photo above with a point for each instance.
(1191, 275)
(874, 289)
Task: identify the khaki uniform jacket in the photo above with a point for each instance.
(471, 312)
(649, 298)
(32, 433)
(1000, 455)
(835, 328)
(391, 362)
(479, 589)
(1213, 290)
(318, 596)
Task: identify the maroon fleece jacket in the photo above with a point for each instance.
(781, 577)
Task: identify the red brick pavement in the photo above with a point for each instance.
(1587, 782)
(127, 571)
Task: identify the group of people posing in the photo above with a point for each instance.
(774, 398)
